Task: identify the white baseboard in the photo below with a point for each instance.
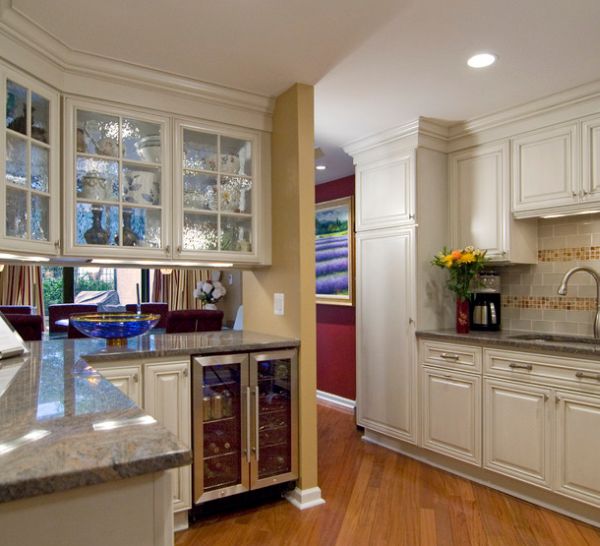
(336, 400)
(305, 498)
(180, 521)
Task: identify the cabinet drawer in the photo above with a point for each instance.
(551, 370)
(451, 355)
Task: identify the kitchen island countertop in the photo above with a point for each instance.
(62, 425)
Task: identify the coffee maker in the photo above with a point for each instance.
(485, 302)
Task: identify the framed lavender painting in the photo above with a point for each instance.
(333, 252)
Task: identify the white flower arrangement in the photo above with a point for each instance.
(209, 291)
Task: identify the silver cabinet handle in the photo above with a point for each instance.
(248, 441)
(516, 366)
(583, 375)
(256, 446)
(448, 356)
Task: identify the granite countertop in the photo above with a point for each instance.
(513, 339)
(62, 425)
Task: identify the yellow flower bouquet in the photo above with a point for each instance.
(463, 265)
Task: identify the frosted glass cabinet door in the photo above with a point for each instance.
(116, 193)
(30, 165)
(217, 194)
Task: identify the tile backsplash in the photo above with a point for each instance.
(530, 299)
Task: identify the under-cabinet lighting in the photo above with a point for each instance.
(106, 261)
(548, 216)
(481, 60)
(320, 167)
(6, 256)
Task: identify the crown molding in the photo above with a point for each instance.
(29, 35)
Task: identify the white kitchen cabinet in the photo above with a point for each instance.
(451, 413)
(480, 212)
(127, 379)
(546, 170)
(386, 357)
(590, 142)
(117, 182)
(517, 431)
(578, 446)
(385, 192)
(30, 165)
(221, 211)
(167, 397)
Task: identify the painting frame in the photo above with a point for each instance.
(344, 208)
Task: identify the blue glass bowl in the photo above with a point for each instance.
(114, 327)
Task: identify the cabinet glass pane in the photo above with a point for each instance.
(222, 431)
(16, 160)
(40, 217)
(199, 151)
(236, 194)
(141, 140)
(40, 168)
(199, 231)
(16, 213)
(97, 224)
(141, 186)
(236, 234)
(97, 179)
(16, 107)
(40, 117)
(274, 417)
(97, 134)
(199, 191)
(236, 156)
(141, 227)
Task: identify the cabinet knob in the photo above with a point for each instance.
(178, 249)
(57, 244)
(411, 216)
(186, 372)
(168, 249)
(584, 193)
(136, 378)
(574, 193)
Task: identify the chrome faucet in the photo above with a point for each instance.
(562, 291)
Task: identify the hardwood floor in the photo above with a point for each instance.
(377, 497)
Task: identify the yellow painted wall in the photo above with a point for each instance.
(293, 262)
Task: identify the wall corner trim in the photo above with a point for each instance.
(305, 498)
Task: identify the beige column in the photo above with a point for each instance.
(293, 268)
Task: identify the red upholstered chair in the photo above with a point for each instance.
(194, 320)
(15, 309)
(30, 327)
(152, 307)
(59, 311)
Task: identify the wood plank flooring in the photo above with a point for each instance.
(377, 497)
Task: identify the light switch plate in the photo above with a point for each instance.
(278, 304)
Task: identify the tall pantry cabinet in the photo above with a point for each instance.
(401, 221)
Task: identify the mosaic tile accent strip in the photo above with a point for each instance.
(547, 302)
(579, 254)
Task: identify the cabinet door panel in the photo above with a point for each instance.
(517, 431)
(385, 193)
(451, 410)
(167, 399)
(578, 447)
(479, 193)
(545, 167)
(591, 158)
(385, 299)
(127, 380)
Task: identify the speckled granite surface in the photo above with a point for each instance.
(62, 425)
(515, 339)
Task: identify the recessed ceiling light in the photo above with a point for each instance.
(320, 167)
(481, 60)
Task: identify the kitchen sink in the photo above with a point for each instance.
(555, 338)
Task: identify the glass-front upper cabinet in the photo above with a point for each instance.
(117, 189)
(30, 166)
(217, 195)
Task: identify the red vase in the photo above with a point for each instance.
(462, 316)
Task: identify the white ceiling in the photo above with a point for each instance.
(375, 64)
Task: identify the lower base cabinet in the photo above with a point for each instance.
(451, 413)
(517, 431)
(162, 388)
(245, 422)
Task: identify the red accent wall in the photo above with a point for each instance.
(336, 331)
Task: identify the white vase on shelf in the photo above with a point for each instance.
(209, 307)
